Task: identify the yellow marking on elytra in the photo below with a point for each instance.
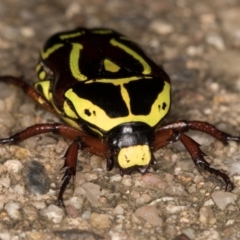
(42, 75)
(110, 66)
(102, 31)
(117, 81)
(139, 155)
(71, 35)
(49, 51)
(71, 122)
(74, 62)
(125, 97)
(105, 123)
(68, 110)
(146, 66)
(96, 131)
(38, 67)
(45, 86)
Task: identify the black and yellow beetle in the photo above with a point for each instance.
(113, 98)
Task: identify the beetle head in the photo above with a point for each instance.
(130, 147)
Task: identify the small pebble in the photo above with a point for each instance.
(127, 181)
(39, 205)
(173, 209)
(100, 221)
(176, 190)
(92, 192)
(118, 210)
(53, 213)
(27, 32)
(151, 179)
(80, 178)
(86, 214)
(146, 198)
(161, 27)
(206, 216)
(12, 209)
(19, 189)
(116, 178)
(90, 177)
(76, 202)
(13, 166)
(72, 212)
(222, 199)
(216, 41)
(150, 214)
(5, 182)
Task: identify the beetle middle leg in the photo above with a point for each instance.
(175, 132)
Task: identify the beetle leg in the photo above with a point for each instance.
(92, 144)
(29, 91)
(184, 126)
(198, 158)
(163, 137)
(81, 141)
(70, 164)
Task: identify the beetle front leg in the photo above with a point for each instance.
(184, 126)
(70, 164)
(92, 144)
(198, 158)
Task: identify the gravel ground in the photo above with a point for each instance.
(198, 43)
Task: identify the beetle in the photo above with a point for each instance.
(112, 98)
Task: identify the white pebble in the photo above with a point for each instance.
(53, 213)
(27, 32)
(127, 181)
(19, 189)
(75, 202)
(13, 166)
(172, 209)
(39, 205)
(5, 236)
(116, 178)
(161, 27)
(12, 209)
(222, 199)
(208, 203)
(216, 41)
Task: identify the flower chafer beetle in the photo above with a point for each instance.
(113, 98)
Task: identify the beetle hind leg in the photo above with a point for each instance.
(30, 91)
(198, 158)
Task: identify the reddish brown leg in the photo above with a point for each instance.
(92, 144)
(29, 91)
(198, 158)
(70, 164)
(81, 141)
(183, 126)
(175, 131)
